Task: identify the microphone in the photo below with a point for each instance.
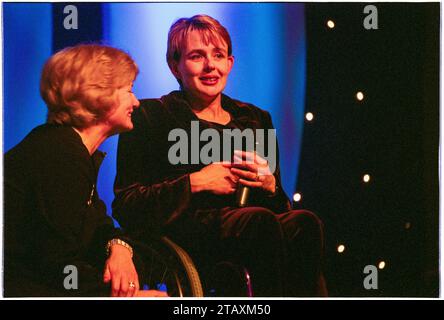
(242, 194)
(243, 191)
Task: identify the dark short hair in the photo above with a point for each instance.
(209, 28)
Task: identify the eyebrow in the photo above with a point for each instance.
(202, 50)
(195, 51)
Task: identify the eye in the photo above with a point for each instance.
(128, 88)
(195, 57)
(219, 55)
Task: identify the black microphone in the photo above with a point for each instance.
(243, 191)
(242, 195)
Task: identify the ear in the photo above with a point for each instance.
(174, 67)
(230, 63)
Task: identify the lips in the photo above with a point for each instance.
(209, 80)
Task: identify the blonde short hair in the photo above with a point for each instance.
(79, 84)
(209, 28)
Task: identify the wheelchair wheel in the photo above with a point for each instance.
(170, 269)
(228, 279)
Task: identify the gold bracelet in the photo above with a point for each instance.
(120, 242)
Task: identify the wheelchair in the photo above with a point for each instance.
(170, 268)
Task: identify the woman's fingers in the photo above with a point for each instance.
(254, 184)
(133, 286)
(245, 165)
(151, 293)
(250, 156)
(233, 178)
(128, 287)
(233, 184)
(225, 164)
(245, 174)
(115, 286)
(106, 274)
(137, 288)
(261, 169)
(124, 286)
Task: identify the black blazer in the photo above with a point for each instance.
(53, 216)
(151, 193)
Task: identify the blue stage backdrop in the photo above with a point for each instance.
(269, 70)
(27, 42)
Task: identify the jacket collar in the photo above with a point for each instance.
(180, 108)
(97, 157)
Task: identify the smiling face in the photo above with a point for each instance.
(119, 119)
(203, 68)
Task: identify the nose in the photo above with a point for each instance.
(209, 64)
(136, 102)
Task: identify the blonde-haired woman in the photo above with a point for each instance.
(59, 241)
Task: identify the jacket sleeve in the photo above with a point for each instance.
(278, 202)
(143, 203)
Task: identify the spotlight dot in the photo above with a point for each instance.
(297, 197)
(407, 225)
(366, 178)
(359, 96)
(341, 248)
(381, 265)
(330, 24)
(309, 116)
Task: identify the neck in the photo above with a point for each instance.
(211, 108)
(199, 105)
(93, 137)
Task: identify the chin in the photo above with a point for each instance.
(124, 128)
(210, 94)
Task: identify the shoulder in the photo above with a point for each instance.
(153, 109)
(160, 105)
(249, 107)
(169, 110)
(47, 142)
(150, 105)
(53, 133)
(46, 150)
(246, 110)
(47, 136)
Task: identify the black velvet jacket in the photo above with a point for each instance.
(53, 215)
(151, 193)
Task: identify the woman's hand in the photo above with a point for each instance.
(151, 293)
(120, 270)
(216, 178)
(253, 171)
